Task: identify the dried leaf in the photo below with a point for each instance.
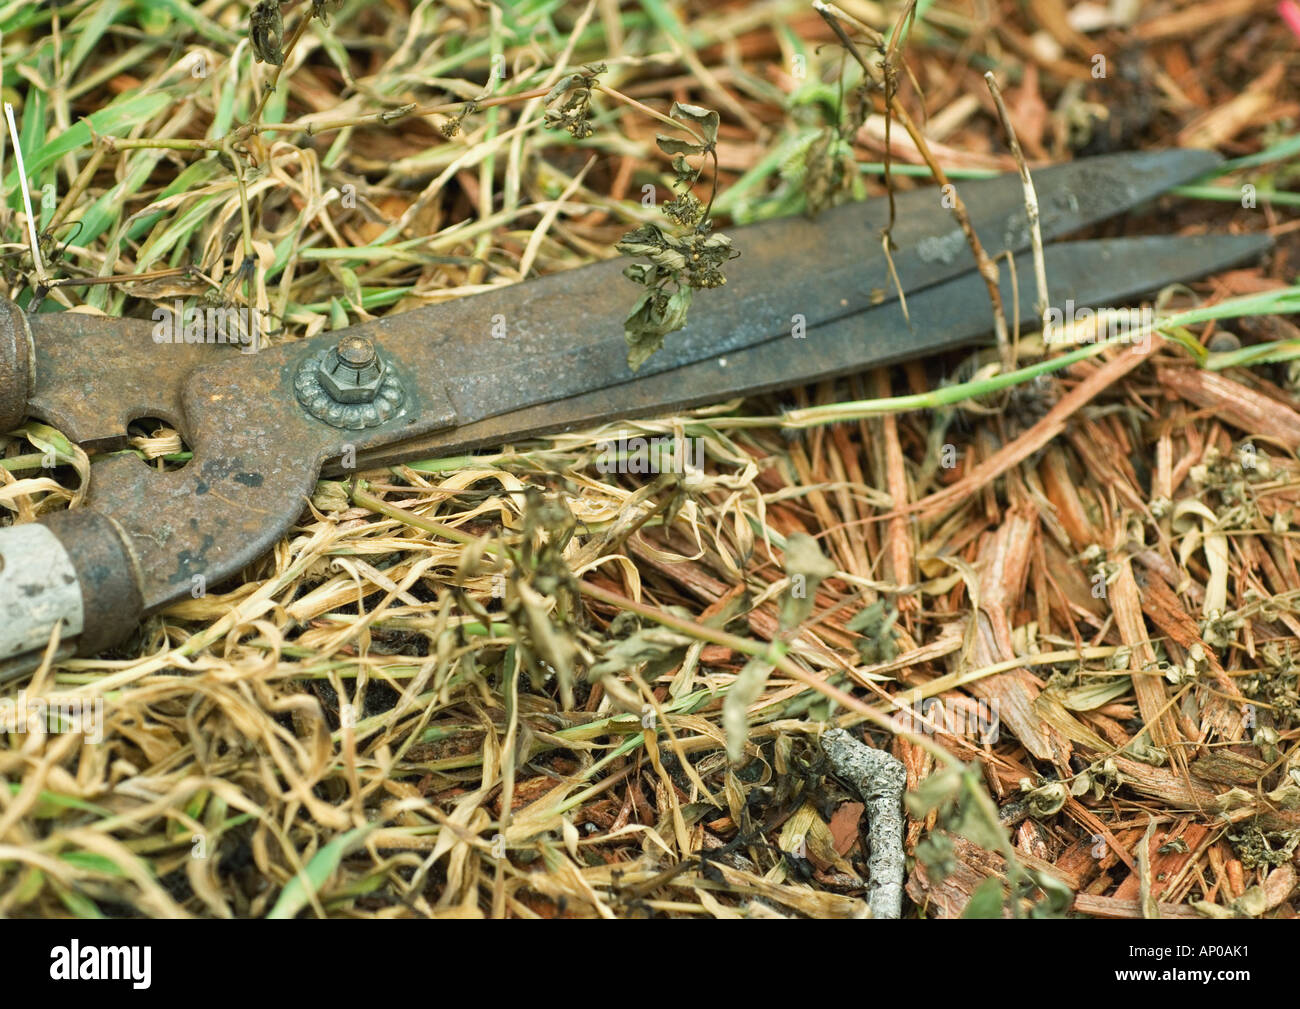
(705, 121)
(807, 568)
(735, 709)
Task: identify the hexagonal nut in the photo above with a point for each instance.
(352, 372)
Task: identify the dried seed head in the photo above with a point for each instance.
(569, 102)
(320, 9)
(266, 33)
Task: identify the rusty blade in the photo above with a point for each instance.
(956, 312)
(564, 332)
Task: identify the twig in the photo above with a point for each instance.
(890, 71)
(1031, 199)
(388, 116)
(878, 778)
(114, 144)
(121, 278)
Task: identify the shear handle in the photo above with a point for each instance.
(17, 376)
(71, 571)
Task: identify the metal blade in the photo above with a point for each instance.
(1096, 273)
(565, 331)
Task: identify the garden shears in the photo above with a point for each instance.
(808, 299)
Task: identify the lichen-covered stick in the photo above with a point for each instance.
(878, 778)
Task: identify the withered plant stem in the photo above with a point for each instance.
(1031, 198)
(988, 269)
(298, 30)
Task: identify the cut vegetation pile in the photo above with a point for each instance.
(517, 683)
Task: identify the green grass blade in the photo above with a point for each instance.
(297, 892)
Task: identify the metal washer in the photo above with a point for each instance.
(350, 416)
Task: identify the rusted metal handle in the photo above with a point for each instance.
(17, 375)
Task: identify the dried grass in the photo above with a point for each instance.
(355, 730)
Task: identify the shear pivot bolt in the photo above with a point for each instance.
(352, 372)
(350, 385)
